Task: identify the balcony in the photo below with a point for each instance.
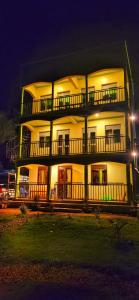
(110, 192)
(103, 144)
(74, 101)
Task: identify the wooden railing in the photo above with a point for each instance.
(75, 147)
(74, 101)
(73, 191)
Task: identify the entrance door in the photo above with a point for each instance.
(63, 142)
(91, 140)
(64, 182)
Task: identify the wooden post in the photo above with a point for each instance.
(86, 134)
(17, 189)
(20, 141)
(128, 182)
(127, 132)
(49, 184)
(125, 86)
(52, 95)
(86, 87)
(51, 137)
(86, 182)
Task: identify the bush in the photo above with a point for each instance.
(23, 209)
(35, 204)
(117, 229)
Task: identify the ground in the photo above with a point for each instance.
(67, 257)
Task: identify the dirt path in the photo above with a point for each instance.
(40, 282)
(16, 211)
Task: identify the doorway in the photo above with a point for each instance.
(65, 182)
(63, 141)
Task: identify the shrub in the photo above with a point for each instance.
(35, 204)
(117, 229)
(23, 209)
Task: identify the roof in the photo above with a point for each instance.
(75, 63)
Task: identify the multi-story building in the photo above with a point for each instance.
(78, 110)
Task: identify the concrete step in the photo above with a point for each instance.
(67, 209)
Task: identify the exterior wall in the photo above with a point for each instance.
(116, 172)
(76, 129)
(77, 173)
(74, 84)
(99, 78)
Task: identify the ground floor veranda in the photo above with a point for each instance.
(103, 181)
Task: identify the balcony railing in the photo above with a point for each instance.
(74, 101)
(74, 191)
(75, 147)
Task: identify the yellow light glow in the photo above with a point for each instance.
(104, 80)
(97, 115)
(60, 88)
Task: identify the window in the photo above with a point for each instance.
(91, 90)
(46, 102)
(44, 139)
(112, 133)
(109, 91)
(64, 99)
(42, 175)
(98, 174)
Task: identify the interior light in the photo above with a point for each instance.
(104, 80)
(60, 88)
(97, 115)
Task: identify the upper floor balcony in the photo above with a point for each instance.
(105, 87)
(71, 147)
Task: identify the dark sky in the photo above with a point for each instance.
(33, 30)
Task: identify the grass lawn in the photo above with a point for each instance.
(77, 240)
(59, 242)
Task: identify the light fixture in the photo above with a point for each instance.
(97, 115)
(104, 80)
(132, 117)
(60, 88)
(134, 153)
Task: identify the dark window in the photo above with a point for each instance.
(98, 174)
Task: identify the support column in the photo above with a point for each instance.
(22, 102)
(86, 183)
(127, 132)
(51, 137)
(86, 88)
(128, 182)
(125, 86)
(49, 184)
(86, 135)
(52, 95)
(17, 188)
(20, 141)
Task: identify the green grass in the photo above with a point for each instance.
(77, 240)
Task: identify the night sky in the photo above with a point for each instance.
(35, 30)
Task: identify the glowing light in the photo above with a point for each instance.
(132, 117)
(97, 115)
(60, 88)
(134, 153)
(104, 80)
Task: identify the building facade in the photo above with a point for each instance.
(80, 136)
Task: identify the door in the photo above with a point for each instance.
(91, 140)
(64, 182)
(63, 142)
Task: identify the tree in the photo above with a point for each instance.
(7, 128)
